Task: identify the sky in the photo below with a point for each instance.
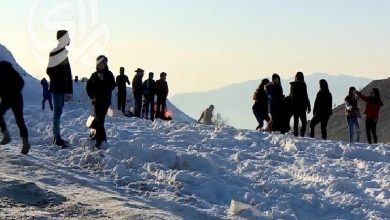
(204, 44)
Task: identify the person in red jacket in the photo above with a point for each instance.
(374, 103)
(162, 94)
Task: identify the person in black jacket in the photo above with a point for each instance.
(99, 89)
(61, 82)
(300, 103)
(46, 94)
(162, 94)
(275, 101)
(137, 91)
(322, 109)
(11, 85)
(149, 91)
(121, 81)
(260, 107)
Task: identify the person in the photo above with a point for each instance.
(207, 116)
(76, 79)
(149, 91)
(300, 103)
(61, 83)
(121, 81)
(46, 94)
(352, 112)
(322, 109)
(162, 91)
(11, 85)
(275, 101)
(99, 89)
(137, 91)
(374, 104)
(260, 107)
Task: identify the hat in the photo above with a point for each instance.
(163, 74)
(139, 70)
(61, 33)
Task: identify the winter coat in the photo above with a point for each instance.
(299, 98)
(45, 88)
(149, 88)
(60, 72)
(206, 116)
(162, 88)
(100, 86)
(351, 107)
(372, 107)
(261, 102)
(137, 85)
(275, 97)
(323, 104)
(11, 83)
(121, 81)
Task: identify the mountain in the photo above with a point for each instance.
(235, 101)
(337, 126)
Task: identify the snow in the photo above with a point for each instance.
(183, 170)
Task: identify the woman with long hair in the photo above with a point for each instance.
(260, 107)
(374, 103)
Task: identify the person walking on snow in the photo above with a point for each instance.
(137, 91)
(121, 81)
(11, 85)
(300, 103)
(322, 109)
(260, 107)
(149, 91)
(99, 89)
(61, 82)
(374, 104)
(207, 116)
(162, 91)
(352, 112)
(46, 94)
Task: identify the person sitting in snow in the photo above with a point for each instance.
(99, 89)
(46, 94)
(207, 116)
(11, 85)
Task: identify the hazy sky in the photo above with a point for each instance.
(204, 44)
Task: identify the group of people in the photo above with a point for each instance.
(272, 106)
(144, 93)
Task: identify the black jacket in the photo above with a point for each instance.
(162, 88)
(323, 104)
(149, 88)
(60, 73)
(261, 102)
(100, 86)
(137, 85)
(121, 81)
(299, 98)
(11, 83)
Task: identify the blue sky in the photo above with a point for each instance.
(205, 44)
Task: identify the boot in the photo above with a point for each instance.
(26, 145)
(6, 138)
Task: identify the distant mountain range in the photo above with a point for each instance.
(235, 102)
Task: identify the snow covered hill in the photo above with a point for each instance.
(181, 170)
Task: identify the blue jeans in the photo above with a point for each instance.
(58, 101)
(353, 123)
